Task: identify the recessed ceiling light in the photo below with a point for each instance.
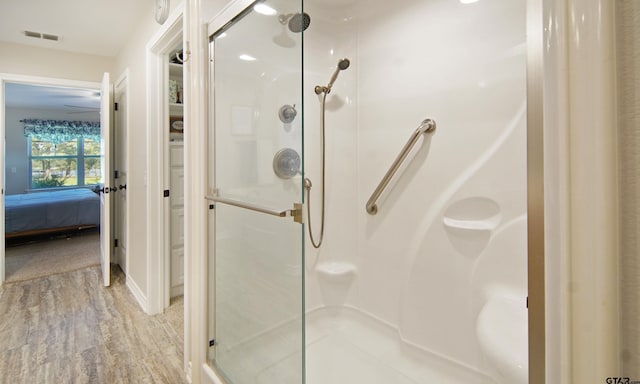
(246, 57)
(264, 9)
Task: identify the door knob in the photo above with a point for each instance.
(122, 186)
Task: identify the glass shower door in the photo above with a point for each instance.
(256, 255)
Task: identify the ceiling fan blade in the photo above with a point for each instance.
(81, 106)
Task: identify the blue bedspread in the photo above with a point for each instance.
(46, 210)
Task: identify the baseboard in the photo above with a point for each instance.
(137, 293)
(177, 290)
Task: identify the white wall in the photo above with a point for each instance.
(43, 62)
(133, 57)
(16, 153)
(463, 66)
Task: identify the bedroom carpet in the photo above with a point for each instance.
(59, 255)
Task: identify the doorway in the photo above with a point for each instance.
(53, 155)
(165, 151)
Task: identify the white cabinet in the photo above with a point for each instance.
(176, 226)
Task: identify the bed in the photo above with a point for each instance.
(52, 211)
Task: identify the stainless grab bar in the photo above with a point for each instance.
(427, 126)
(296, 212)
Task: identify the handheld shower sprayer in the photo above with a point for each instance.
(342, 65)
(324, 90)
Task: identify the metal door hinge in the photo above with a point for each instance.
(212, 343)
(115, 106)
(116, 174)
(166, 193)
(115, 243)
(296, 212)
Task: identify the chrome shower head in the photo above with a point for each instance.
(342, 65)
(297, 22)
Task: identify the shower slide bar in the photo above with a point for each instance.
(296, 212)
(427, 126)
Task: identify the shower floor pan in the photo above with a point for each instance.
(346, 346)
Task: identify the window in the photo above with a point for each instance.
(75, 162)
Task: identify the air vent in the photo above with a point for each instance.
(38, 35)
(46, 36)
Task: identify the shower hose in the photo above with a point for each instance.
(307, 187)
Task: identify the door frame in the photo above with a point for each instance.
(33, 80)
(121, 86)
(158, 208)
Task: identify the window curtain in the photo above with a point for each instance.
(60, 131)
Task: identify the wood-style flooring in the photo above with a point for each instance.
(68, 328)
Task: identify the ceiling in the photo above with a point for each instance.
(97, 27)
(76, 102)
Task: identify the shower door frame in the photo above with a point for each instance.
(535, 193)
(229, 15)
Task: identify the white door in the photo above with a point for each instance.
(120, 162)
(105, 197)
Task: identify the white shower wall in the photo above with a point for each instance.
(462, 65)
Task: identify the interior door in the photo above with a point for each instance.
(106, 111)
(120, 163)
(257, 250)
(2, 179)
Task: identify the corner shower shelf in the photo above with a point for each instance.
(470, 225)
(337, 271)
(475, 214)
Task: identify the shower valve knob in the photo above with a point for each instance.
(287, 113)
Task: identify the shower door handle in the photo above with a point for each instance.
(296, 212)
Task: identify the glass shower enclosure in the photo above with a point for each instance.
(416, 276)
(255, 192)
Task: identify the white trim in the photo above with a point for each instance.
(49, 81)
(209, 376)
(158, 266)
(136, 292)
(177, 290)
(595, 352)
(557, 202)
(24, 79)
(195, 207)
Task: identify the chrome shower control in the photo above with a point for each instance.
(287, 113)
(286, 163)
